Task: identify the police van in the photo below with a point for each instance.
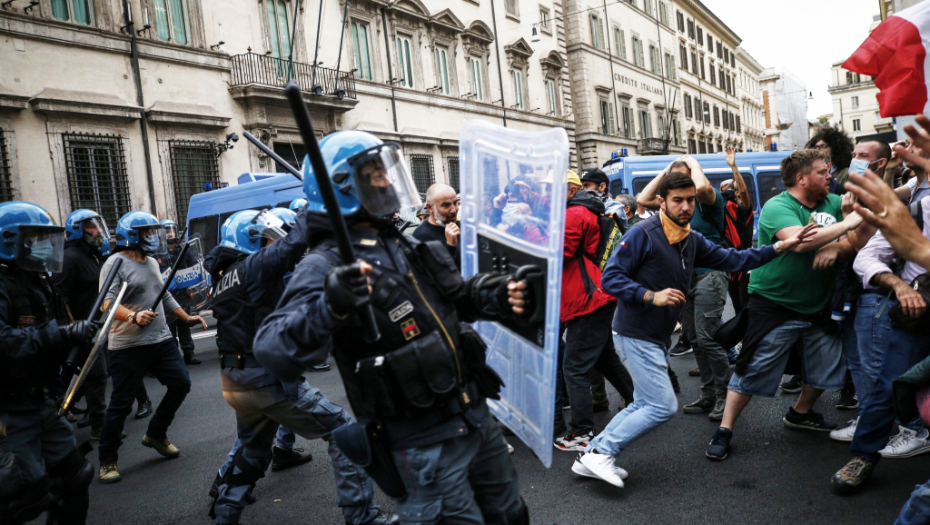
(760, 170)
(254, 191)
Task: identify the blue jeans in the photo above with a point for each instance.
(877, 415)
(311, 415)
(286, 439)
(128, 367)
(654, 400)
(466, 480)
(865, 345)
(917, 509)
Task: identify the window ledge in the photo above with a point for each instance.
(11, 102)
(186, 114)
(64, 102)
(515, 18)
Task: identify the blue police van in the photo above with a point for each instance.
(254, 191)
(760, 170)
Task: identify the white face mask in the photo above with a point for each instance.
(438, 218)
(859, 166)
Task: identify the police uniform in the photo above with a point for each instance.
(420, 389)
(248, 291)
(39, 464)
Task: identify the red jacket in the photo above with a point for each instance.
(581, 232)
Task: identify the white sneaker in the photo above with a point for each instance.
(579, 468)
(574, 442)
(602, 466)
(907, 443)
(846, 433)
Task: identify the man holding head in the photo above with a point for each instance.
(648, 273)
(442, 203)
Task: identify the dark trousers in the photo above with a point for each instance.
(95, 390)
(739, 292)
(129, 366)
(589, 346)
(182, 333)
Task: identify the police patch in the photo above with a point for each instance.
(401, 311)
(410, 329)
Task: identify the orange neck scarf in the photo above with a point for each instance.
(673, 232)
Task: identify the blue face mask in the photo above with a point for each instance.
(859, 166)
(149, 245)
(42, 250)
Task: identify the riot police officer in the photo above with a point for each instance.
(251, 284)
(180, 331)
(425, 433)
(40, 467)
(87, 233)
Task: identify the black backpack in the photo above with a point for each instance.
(612, 231)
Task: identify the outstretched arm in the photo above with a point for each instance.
(742, 192)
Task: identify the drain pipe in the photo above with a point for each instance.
(387, 50)
(500, 75)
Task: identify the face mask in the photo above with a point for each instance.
(729, 195)
(438, 218)
(859, 166)
(602, 195)
(510, 215)
(149, 245)
(94, 241)
(42, 250)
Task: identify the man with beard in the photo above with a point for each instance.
(443, 206)
(787, 301)
(648, 274)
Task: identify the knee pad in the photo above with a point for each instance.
(71, 476)
(27, 504)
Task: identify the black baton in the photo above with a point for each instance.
(174, 270)
(274, 156)
(94, 313)
(366, 316)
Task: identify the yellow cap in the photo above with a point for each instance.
(573, 178)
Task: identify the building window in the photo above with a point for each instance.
(684, 57)
(661, 127)
(710, 44)
(857, 125)
(608, 120)
(681, 21)
(517, 76)
(713, 75)
(676, 131)
(620, 43)
(552, 98)
(691, 29)
(477, 79)
(278, 30)
(702, 67)
(670, 66)
(692, 146)
(544, 18)
(511, 7)
(852, 78)
(405, 61)
(421, 167)
(732, 120)
(597, 32)
(453, 164)
(717, 116)
(706, 113)
(733, 59)
(194, 168)
(78, 11)
(700, 35)
(726, 55)
(442, 71)
(719, 50)
(689, 111)
(362, 57)
(694, 66)
(739, 127)
(97, 174)
(645, 124)
(729, 85)
(6, 172)
(627, 114)
(648, 7)
(702, 147)
(723, 80)
(855, 102)
(169, 20)
(654, 60)
(663, 13)
(638, 52)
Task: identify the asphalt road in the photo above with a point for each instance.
(774, 474)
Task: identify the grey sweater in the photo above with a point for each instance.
(145, 281)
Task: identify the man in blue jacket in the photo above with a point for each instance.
(648, 274)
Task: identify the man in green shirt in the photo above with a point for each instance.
(786, 298)
(701, 314)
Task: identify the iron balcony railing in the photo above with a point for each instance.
(265, 70)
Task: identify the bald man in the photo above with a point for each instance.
(443, 206)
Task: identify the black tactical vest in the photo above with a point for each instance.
(238, 318)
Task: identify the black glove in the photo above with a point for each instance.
(346, 290)
(79, 333)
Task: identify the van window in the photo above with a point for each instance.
(206, 229)
(716, 178)
(770, 185)
(639, 183)
(616, 187)
(283, 204)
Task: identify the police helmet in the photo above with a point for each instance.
(30, 237)
(172, 235)
(87, 225)
(242, 232)
(141, 230)
(297, 204)
(105, 249)
(366, 173)
(288, 216)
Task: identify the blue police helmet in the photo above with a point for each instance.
(347, 154)
(29, 236)
(241, 232)
(105, 249)
(288, 216)
(297, 204)
(74, 225)
(136, 226)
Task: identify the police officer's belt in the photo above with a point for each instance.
(440, 413)
(239, 361)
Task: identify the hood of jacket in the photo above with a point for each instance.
(588, 200)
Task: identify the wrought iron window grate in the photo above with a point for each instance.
(194, 169)
(6, 172)
(421, 167)
(454, 173)
(98, 178)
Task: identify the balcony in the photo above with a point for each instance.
(651, 146)
(265, 70)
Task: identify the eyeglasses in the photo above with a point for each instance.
(821, 146)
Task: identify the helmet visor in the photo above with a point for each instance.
(172, 236)
(272, 227)
(152, 240)
(95, 231)
(41, 248)
(383, 180)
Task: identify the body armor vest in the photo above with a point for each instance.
(238, 318)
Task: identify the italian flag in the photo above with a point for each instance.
(895, 54)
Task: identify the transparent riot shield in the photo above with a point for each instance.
(191, 279)
(513, 210)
